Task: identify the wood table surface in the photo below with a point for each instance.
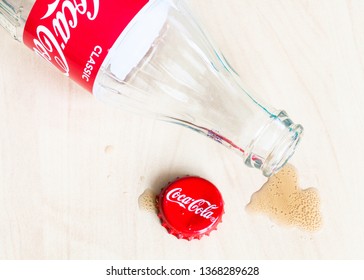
(72, 168)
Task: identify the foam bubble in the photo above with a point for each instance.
(286, 203)
(147, 201)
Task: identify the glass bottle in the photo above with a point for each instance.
(163, 65)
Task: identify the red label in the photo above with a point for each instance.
(76, 35)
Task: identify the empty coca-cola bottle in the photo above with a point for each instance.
(151, 57)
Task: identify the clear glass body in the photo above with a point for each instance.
(177, 75)
(14, 14)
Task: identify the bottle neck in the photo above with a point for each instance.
(273, 145)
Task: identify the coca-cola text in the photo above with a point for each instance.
(200, 206)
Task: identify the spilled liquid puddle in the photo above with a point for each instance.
(282, 199)
(147, 201)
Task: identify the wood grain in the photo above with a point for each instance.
(72, 168)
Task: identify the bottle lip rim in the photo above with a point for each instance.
(274, 143)
(284, 151)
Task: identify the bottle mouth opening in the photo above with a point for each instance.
(274, 144)
(283, 151)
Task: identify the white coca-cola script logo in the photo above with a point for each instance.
(200, 206)
(52, 40)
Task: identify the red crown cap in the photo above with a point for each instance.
(190, 207)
